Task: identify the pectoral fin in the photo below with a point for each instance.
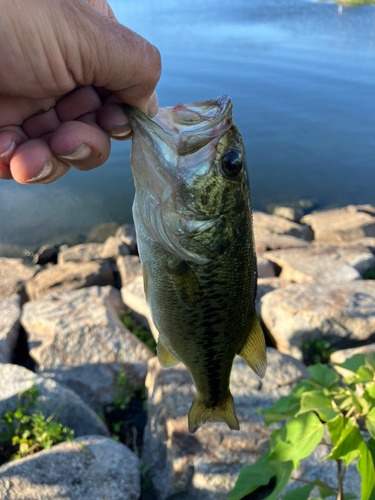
(200, 413)
(165, 356)
(185, 282)
(253, 352)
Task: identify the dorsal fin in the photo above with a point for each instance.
(253, 352)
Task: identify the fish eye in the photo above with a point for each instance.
(231, 163)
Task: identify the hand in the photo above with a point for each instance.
(66, 66)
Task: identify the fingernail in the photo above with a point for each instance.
(153, 105)
(81, 153)
(9, 151)
(45, 172)
(120, 131)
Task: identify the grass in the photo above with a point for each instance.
(139, 331)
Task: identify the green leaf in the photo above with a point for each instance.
(251, 477)
(305, 386)
(335, 428)
(365, 467)
(323, 374)
(365, 375)
(370, 422)
(303, 434)
(347, 447)
(350, 496)
(325, 491)
(352, 364)
(320, 403)
(371, 447)
(369, 394)
(370, 361)
(301, 493)
(361, 405)
(283, 472)
(286, 406)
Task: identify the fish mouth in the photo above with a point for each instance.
(182, 129)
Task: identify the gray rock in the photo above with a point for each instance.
(206, 465)
(278, 241)
(78, 339)
(322, 264)
(54, 399)
(46, 254)
(113, 248)
(86, 252)
(13, 275)
(69, 276)
(133, 296)
(344, 354)
(10, 313)
(127, 234)
(340, 312)
(293, 214)
(362, 244)
(268, 225)
(90, 468)
(344, 224)
(267, 285)
(129, 267)
(266, 269)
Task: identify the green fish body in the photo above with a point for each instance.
(193, 220)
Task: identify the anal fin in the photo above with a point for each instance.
(253, 352)
(200, 413)
(166, 358)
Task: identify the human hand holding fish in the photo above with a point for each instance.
(195, 238)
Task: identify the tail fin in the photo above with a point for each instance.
(200, 413)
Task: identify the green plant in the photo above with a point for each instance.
(340, 400)
(139, 331)
(369, 275)
(317, 351)
(125, 391)
(28, 433)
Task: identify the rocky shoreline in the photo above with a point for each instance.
(60, 331)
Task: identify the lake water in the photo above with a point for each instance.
(302, 79)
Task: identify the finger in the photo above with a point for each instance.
(10, 139)
(77, 103)
(41, 124)
(81, 144)
(34, 163)
(5, 172)
(113, 120)
(16, 110)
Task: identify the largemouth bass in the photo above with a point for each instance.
(193, 220)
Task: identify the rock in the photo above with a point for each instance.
(206, 465)
(114, 247)
(266, 269)
(293, 214)
(53, 398)
(133, 296)
(46, 254)
(10, 313)
(344, 224)
(78, 339)
(266, 225)
(89, 468)
(129, 267)
(344, 354)
(267, 285)
(86, 252)
(322, 264)
(13, 275)
(276, 242)
(127, 234)
(362, 244)
(69, 276)
(342, 313)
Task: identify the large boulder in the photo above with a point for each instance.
(343, 313)
(266, 269)
(322, 263)
(126, 233)
(86, 252)
(78, 339)
(10, 313)
(46, 254)
(64, 404)
(267, 225)
(129, 267)
(290, 213)
(89, 468)
(342, 355)
(13, 275)
(206, 465)
(69, 276)
(344, 224)
(278, 241)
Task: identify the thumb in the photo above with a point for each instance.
(117, 59)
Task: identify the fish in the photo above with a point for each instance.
(193, 220)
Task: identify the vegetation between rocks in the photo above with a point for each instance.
(335, 407)
(27, 433)
(317, 351)
(139, 331)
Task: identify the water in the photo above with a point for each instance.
(302, 79)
